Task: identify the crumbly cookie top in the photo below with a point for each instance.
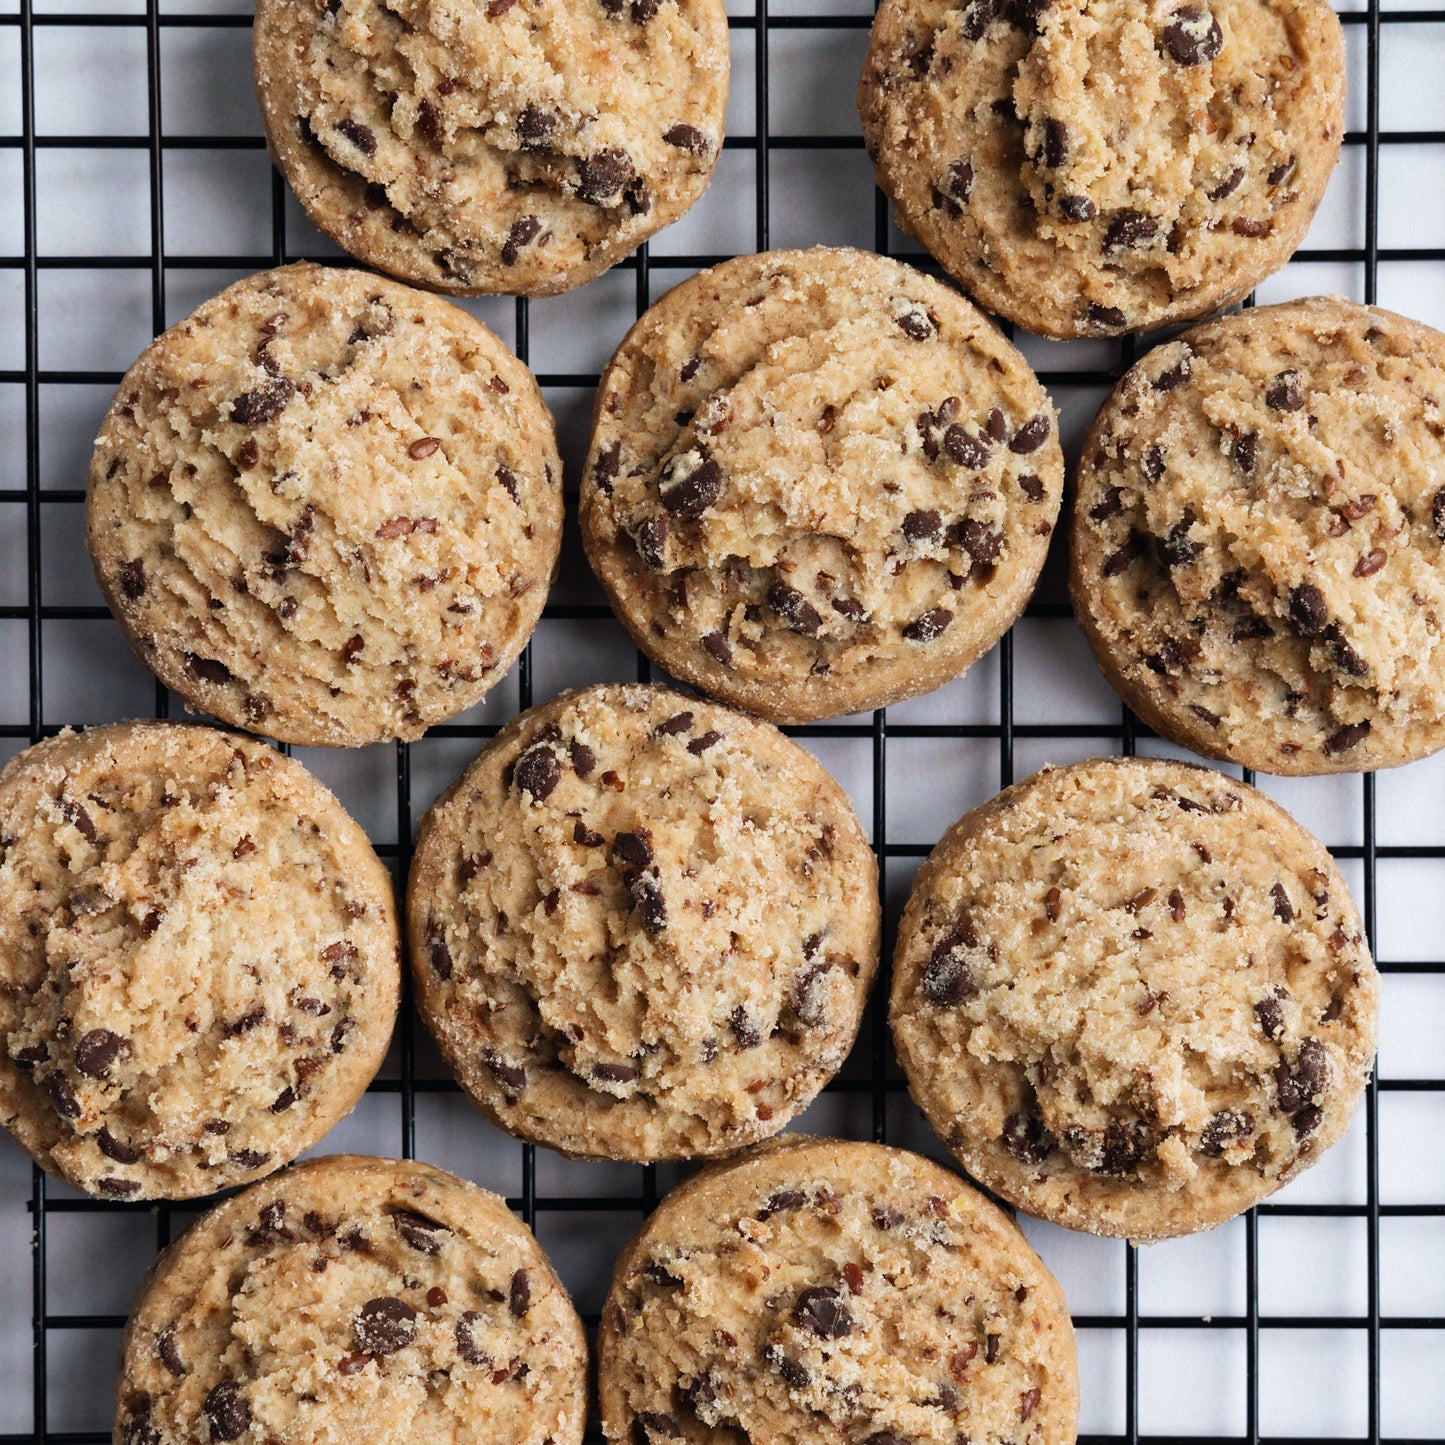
(1258, 537)
(1134, 996)
(643, 926)
(494, 145)
(1089, 167)
(173, 1022)
(355, 1299)
(327, 507)
(839, 1294)
(830, 469)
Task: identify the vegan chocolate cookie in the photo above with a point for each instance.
(818, 483)
(839, 1294)
(327, 507)
(1090, 167)
(198, 959)
(354, 1299)
(1259, 538)
(493, 145)
(643, 927)
(1133, 997)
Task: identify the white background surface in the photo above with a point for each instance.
(1192, 1295)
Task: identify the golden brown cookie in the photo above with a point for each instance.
(1090, 167)
(493, 145)
(199, 963)
(1258, 550)
(327, 507)
(818, 1292)
(354, 1299)
(1133, 997)
(818, 483)
(643, 927)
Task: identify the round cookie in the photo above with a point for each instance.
(1091, 167)
(838, 1294)
(478, 146)
(818, 483)
(327, 507)
(354, 1299)
(199, 967)
(1258, 552)
(1133, 997)
(643, 927)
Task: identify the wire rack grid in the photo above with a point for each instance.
(134, 182)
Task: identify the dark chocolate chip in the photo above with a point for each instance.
(1245, 450)
(1371, 562)
(1079, 208)
(914, 322)
(1223, 1128)
(119, 1188)
(965, 448)
(688, 485)
(1124, 1148)
(744, 1030)
(1177, 374)
(1175, 549)
(1283, 908)
(524, 230)
(679, 722)
(512, 1077)
(112, 1148)
(417, 1230)
(519, 1295)
(794, 1372)
(782, 1201)
(133, 579)
(647, 897)
(928, 626)
(822, 1311)
(1119, 562)
(361, 136)
(1229, 185)
(958, 185)
(651, 539)
(1031, 435)
(1284, 392)
(97, 1051)
(265, 403)
(207, 669)
(1307, 609)
(1307, 1120)
(441, 958)
(615, 1073)
(601, 178)
(467, 1346)
(923, 526)
(1437, 514)
(537, 772)
(536, 128)
(1271, 1018)
(582, 758)
(718, 648)
(634, 848)
(650, 1424)
(1056, 143)
(795, 611)
(1130, 229)
(1026, 1138)
(1347, 738)
(1111, 317)
(228, 1411)
(687, 138)
(169, 1351)
(63, 1097)
(947, 979)
(1283, 171)
(699, 745)
(1193, 36)
(1032, 487)
(385, 1325)
(977, 17)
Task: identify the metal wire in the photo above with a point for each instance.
(870, 1072)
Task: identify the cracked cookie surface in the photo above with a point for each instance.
(199, 965)
(1258, 550)
(1091, 167)
(327, 507)
(818, 482)
(1133, 997)
(838, 1294)
(643, 926)
(354, 1299)
(493, 145)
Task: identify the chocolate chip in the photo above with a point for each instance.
(536, 128)
(886, 1218)
(1119, 562)
(1284, 393)
(519, 1296)
(966, 449)
(649, 1423)
(1307, 609)
(112, 1148)
(1177, 374)
(1307, 1120)
(63, 1097)
(699, 745)
(1108, 316)
(1142, 899)
(651, 539)
(207, 669)
(781, 1201)
(679, 722)
(417, 1230)
(1244, 452)
(744, 1030)
(133, 579)
(385, 1325)
(947, 979)
(1031, 435)
(97, 1051)
(1283, 171)
(795, 1374)
(140, 1431)
(249, 1158)
(1079, 208)
(1342, 654)
(977, 17)
(1029, 1401)
(615, 1073)
(583, 759)
(928, 626)
(822, 1311)
(923, 526)
(441, 959)
(1130, 229)
(991, 1345)
(1229, 185)
(605, 468)
(1371, 562)
(689, 484)
(1437, 514)
(1193, 36)
(265, 403)
(810, 996)
(1026, 1138)
(913, 320)
(228, 1411)
(1056, 143)
(1175, 549)
(1124, 1148)
(169, 1351)
(634, 848)
(718, 648)
(647, 897)
(888, 1437)
(537, 772)
(119, 1188)
(361, 136)
(523, 232)
(1223, 1128)
(1347, 738)
(512, 1077)
(467, 1346)
(687, 138)
(601, 178)
(795, 611)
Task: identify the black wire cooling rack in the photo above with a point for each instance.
(1121, 1374)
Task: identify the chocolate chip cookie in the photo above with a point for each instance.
(1258, 554)
(1133, 997)
(198, 959)
(643, 927)
(818, 483)
(1091, 167)
(838, 1293)
(493, 145)
(327, 507)
(354, 1299)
